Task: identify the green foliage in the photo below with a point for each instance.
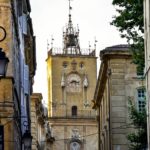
(130, 23)
(138, 139)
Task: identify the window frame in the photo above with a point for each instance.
(141, 98)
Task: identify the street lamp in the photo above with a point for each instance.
(27, 140)
(3, 63)
(3, 68)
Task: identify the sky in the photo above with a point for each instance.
(50, 16)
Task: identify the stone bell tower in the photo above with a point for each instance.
(71, 74)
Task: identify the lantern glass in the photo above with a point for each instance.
(3, 66)
(27, 140)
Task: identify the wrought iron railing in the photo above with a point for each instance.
(83, 52)
(80, 114)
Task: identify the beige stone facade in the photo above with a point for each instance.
(117, 83)
(147, 62)
(16, 86)
(38, 119)
(68, 127)
(7, 112)
(40, 128)
(63, 97)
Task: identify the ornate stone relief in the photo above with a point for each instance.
(85, 82)
(63, 80)
(75, 134)
(76, 143)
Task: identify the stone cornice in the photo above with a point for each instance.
(37, 97)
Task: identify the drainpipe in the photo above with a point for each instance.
(109, 103)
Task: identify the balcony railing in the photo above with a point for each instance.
(89, 114)
(83, 52)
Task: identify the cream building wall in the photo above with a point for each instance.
(117, 83)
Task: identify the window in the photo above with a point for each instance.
(74, 111)
(141, 99)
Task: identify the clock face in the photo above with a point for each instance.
(2, 34)
(73, 83)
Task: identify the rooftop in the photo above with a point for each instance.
(119, 49)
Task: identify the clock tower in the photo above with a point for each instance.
(71, 73)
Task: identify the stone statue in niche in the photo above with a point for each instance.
(85, 82)
(75, 134)
(63, 81)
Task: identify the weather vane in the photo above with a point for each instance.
(52, 40)
(95, 41)
(47, 45)
(70, 8)
(89, 46)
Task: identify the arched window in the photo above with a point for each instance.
(74, 110)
